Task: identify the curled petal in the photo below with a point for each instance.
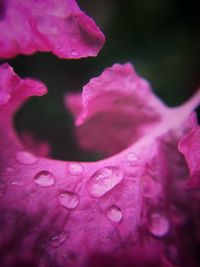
(118, 108)
(14, 90)
(60, 27)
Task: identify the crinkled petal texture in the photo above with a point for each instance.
(58, 26)
(115, 110)
(131, 209)
(190, 147)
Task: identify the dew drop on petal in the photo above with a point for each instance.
(158, 224)
(75, 168)
(68, 199)
(58, 240)
(3, 188)
(75, 54)
(17, 183)
(44, 178)
(131, 157)
(25, 157)
(103, 180)
(114, 214)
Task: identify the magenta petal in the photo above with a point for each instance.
(190, 147)
(104, 213)
(118, 108)
(14, 91)
(37, 147)
(60, 27)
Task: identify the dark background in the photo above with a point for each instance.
(160, 37)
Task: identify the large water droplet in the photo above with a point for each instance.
(132, 157)
(103, 180)
(3, 188)
(58, 240)
(114, 214)
(44, 178)
(68, 199)
(25, 157)
(75, 168)
(158, 224)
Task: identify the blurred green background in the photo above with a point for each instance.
(160, 37)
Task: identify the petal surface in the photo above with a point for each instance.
(190, 147)
(115, 110)
(37, 147)
(60, 27)
(107, 213)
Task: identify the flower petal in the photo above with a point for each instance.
(35, 146)
(118, 109)
(60, 27)
(190, 147)
(14, 91)
(55, 213)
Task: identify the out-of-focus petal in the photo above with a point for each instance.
(37, 147)
(57, 26)
(118, 109)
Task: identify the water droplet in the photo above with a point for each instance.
(58, 240)
(103, 180)
(75, 168)
(158, 225)
(3, 188)
(18, 183)
(44, 178)
(25, 157)
(132, 157)
(75, 54)
(114, 214)
(68, 199)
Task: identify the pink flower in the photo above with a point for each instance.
(59, 26)
(131, 208)
(137, 207)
